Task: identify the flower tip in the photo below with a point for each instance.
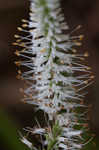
(24, 25)
(16, 36)
(19, 28)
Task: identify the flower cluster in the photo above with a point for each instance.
(52, 62)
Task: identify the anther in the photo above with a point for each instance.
(17, 53)
(30, 14)
(86, 54)
(62, 107)
(23, 20)
(92, 77)
(24, 25)
(14, 44)
(22, 44)
(19, 28)
(74, 50)
(16, 36)
(25, 96)
(86, 82)
(18, 63)
(18, 41)
(82, 102)
(23, 101)
(77, 43)
(73, 55)
(88, 68)
(81, 37)
(19, 72)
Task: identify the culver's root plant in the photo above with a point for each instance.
(56, 78)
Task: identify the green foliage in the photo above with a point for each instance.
(8, 134)
(53, 138)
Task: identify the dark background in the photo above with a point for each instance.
(84, 12)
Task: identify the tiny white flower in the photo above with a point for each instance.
(52, 64)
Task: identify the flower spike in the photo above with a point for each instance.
(51, 59)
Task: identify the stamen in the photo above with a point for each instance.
(77, 28)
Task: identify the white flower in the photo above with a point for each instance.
(51, 62)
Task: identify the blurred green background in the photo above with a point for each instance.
(15, 115)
